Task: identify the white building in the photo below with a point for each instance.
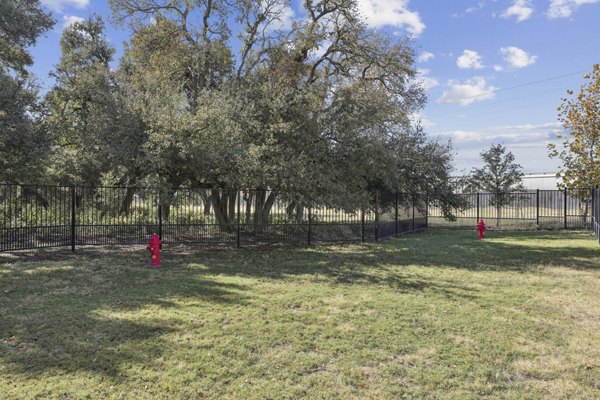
(532, 182)
(542, 181)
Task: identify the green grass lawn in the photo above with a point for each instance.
(438, 314)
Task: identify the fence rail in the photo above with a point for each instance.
(540, 209)
(47, 216)
(34, 216)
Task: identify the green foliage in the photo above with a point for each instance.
(580, 149)
(97, 133)
(318, 112)
(24, 145)
(500, 174)
(21, 23)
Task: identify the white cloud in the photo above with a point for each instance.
(426, 123)
(379, 13)
(521, 9)
(425, 56)
(69, 20)
(525, 129)
(516, 57)
(480, 6)
(59, 5)
(525, 135)
(472, 90)
(528, 142)
(320, 51)
(482, 139)
(426, 81)
(469, 60)
(498, 68)
(284, 17)
(422, 120)
(564, 8)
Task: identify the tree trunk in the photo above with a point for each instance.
(166, 200)
(232, 194)
(289, 210)
(259, 202)
(248, 199)
(262, 209)
(206, 201)
(498, 212)
(127, 200)
(28, 193)
(299, 214)
(223, 204)
(266, 212)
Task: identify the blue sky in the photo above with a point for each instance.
(495, 70)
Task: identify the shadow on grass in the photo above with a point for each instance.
(376, 262)
(55, 316)
(50, 309)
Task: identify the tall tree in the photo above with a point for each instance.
(21, 23)
(580, 149)
(317, 110)
(23, 145)
(499, 176)
(97, 135)
(305, 87)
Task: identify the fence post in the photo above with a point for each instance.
(159, 217)
(73, 218)
(593, 213)
(596, 213)
(309, 223)
(565, 208)
(477, 207)
(537, 208)
(595, 208)
(427, 211)
(377, 215)
(396, 214)
(362, 225)
(413, 212)
(239, 195)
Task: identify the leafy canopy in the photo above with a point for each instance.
(24, 145)
(225, 94)
(580, 148)
(499, 174)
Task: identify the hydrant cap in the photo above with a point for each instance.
(154, 238)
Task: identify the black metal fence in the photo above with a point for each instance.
(540, 209)
(596, 212)
(34, 216)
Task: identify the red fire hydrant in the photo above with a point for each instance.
(481, 229)
(154, 248)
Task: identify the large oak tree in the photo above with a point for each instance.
(227, 95)
(24, 146)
